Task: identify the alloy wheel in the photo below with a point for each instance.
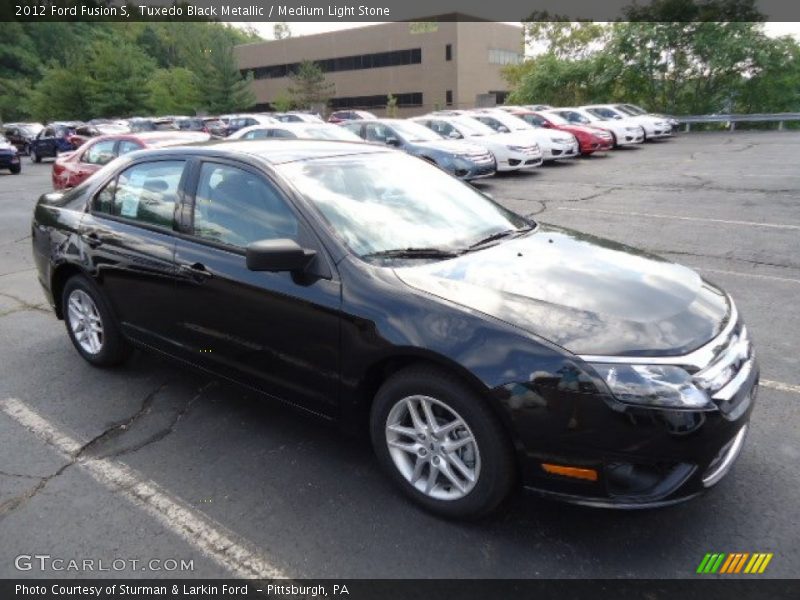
(85, 322)
(433, 447)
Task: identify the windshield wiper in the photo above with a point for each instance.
(500, 235)
(413, 253)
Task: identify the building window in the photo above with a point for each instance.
(376, 101)
(376, 60)
(448, 97)
(504, 57)
(448, 52)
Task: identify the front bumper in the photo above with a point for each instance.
(475, 170)
(654, 463)
(637, 456)
(561, 151)
(8, 160)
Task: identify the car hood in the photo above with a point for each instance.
(451, 146)
(586, 294)
(7, 146)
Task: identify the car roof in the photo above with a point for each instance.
(280, 151)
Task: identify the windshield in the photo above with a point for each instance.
(635, 110)
(626, 110)
(574, 117)
(605, 112)
(380, 202)
(328, 133)
(471, 127)
(509, 121)
(556, 119)
(414, 132)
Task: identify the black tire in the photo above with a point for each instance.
(35, 156)
(498, 468)
(114, 349)
(15, 170)
(614, 140)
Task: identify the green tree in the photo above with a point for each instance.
(391, 107)
(222, 87)
(61, 93)
(677, 56)
(173, 91)
(309, 86)
(282, 102)
(281, 31)
(118, 76)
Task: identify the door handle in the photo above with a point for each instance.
(91, 239)
(196, 271)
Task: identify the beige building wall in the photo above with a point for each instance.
(468, 73)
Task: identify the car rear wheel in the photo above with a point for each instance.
(15, 169)
(35, 156)
(441, 443)
(90, 325)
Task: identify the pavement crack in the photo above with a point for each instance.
(122, 426)
(19, 475)
(24, 305)
(20, 500)
(170, 428)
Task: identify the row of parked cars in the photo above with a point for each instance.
(469, 144)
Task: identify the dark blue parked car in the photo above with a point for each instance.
(459, 158)
(51, 140)
(9, 157)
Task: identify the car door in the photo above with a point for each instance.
(275, 331)
(46, 142)
(128, 238)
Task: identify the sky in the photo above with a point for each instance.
(307, 28)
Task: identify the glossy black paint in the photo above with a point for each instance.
(508, 319)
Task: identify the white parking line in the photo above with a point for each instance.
(781, 387)
(212, 539)
(679, 218)
(739, 273)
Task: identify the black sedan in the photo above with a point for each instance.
(478, 348)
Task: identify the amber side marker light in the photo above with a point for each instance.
(574, 472)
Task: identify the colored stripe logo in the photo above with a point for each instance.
(737, 562)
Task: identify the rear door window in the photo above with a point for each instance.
(146, 193)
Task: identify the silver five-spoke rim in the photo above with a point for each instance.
(85, 322)
(433, 447)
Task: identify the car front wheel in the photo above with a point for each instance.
(90, 326)
(441, 443)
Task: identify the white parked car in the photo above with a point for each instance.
(624, 131)
(306, 131)
(511, 152)
(555, 145)
(633, 110)
(654, 127)
(298, 117)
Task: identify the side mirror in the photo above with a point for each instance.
(503, 129)
(454, 135)
(277, 255)
(392, 141)
(547, 125)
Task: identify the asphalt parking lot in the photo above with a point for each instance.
(152, 460)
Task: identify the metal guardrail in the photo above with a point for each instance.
(731, 120)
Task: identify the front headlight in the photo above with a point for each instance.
(519, 148)
(632, 128)
(658, 386)
(560, 140)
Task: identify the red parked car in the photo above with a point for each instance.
(71, 169)
(590, 139)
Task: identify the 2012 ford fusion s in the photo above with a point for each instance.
(478, 348)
